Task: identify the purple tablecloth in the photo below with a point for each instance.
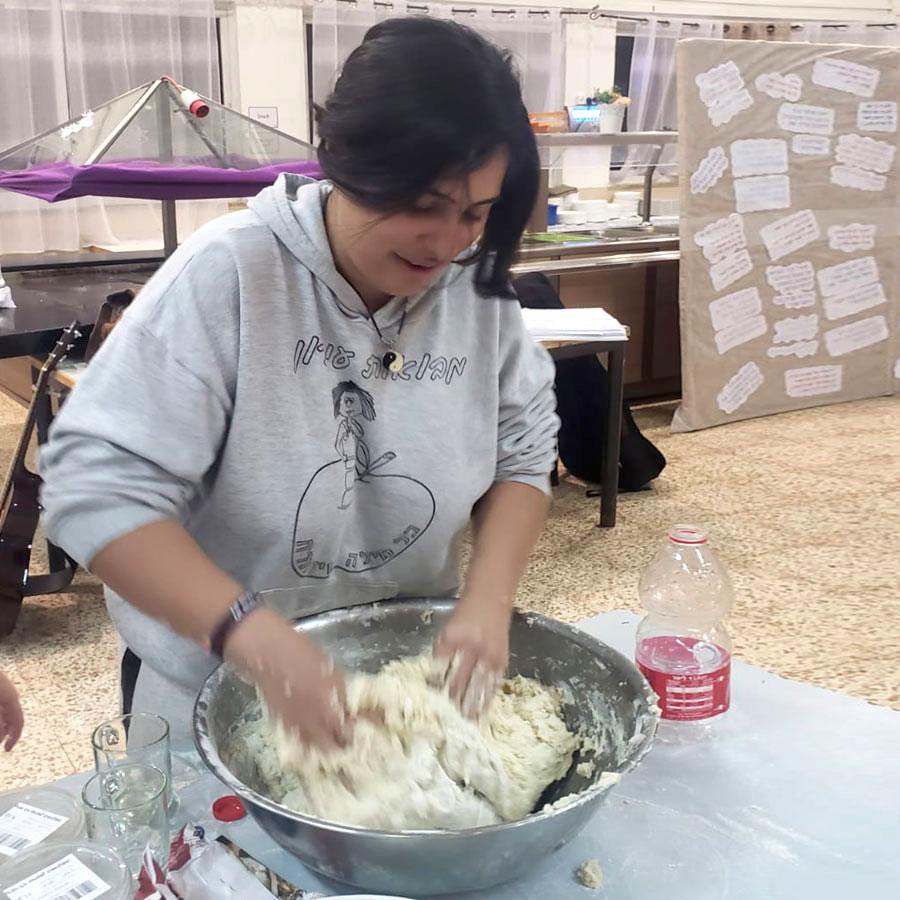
(147, 180)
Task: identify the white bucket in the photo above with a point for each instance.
(611, 118)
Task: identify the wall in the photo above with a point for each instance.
(264, 63)
(590, 63)
(264, 50)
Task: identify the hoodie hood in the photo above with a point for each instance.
(294, 209)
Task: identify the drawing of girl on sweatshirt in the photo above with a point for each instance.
(383, 513)
(352, 404)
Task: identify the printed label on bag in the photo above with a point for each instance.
(688, 696)
(23, 826)
(67, 879)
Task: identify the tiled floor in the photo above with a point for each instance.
(803, 507)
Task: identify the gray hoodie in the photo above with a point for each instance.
(243, 394)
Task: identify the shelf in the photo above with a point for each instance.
(595, 263)
(594, 139)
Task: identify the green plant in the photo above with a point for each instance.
(610, 97)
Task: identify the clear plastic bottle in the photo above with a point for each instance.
(683, 647)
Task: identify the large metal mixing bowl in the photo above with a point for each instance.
(605, 696)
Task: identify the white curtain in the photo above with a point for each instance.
(537, 44)
(337, 29)
(535, 40)
(58, 58)
(887, 35)
(652, 88)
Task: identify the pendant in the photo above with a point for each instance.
(393, 362)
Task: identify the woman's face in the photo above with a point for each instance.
(350, 405)
(404, 253)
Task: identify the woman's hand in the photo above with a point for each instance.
(11, 718)
(475, 645)
(299, 683)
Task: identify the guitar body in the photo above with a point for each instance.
(20, 511)
(17, 528)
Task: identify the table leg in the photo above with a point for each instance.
(609, 488)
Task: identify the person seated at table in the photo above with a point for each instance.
(319, 393)
(12, 721)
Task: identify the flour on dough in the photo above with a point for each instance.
(424, 765)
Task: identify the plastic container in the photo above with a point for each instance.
(683, 647)
(35, 815)
(54, 868)
(570, 217)
(593, 209)
(549, 122)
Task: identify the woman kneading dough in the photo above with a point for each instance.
(318, 393)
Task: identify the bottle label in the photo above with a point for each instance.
(689, 696)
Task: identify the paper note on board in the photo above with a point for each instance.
(800, 276)
(848, 276)
(855, 336)
(733, 308)
(795, 299)
(724, 112)
(719, 81)
(722, 238)
(762, 192)
(785, 236)
(860, 179)
(711, 168)
(812, 381)
(730, 270)
(811, 144)
(740, 387)
(843, 75)
(759, 156)
(780, 87)
(723, 92)
(851, 238)
(796, 328)
(865, 153)
(806, 119)
(800, 349)
(854, 301)
(739, 333)
(877, 115)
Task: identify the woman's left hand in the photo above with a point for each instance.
(475, 645)
(11, 718)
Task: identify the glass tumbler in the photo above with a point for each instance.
(125, 809)
(135, 738)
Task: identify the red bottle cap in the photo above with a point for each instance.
(229, 808)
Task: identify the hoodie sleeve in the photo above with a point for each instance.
(527, 424)
(135, 440)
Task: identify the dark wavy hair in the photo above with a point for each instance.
(421, 99)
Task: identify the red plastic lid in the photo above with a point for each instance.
(229, 808)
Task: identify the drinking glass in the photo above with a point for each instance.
(135, 738)
(125, 809)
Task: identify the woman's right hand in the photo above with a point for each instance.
(299, 683)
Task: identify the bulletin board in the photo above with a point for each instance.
(789, 227)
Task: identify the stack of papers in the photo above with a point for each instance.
(581, 324)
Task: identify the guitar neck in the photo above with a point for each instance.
(18, 466)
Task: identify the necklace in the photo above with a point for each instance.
(392, 359)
